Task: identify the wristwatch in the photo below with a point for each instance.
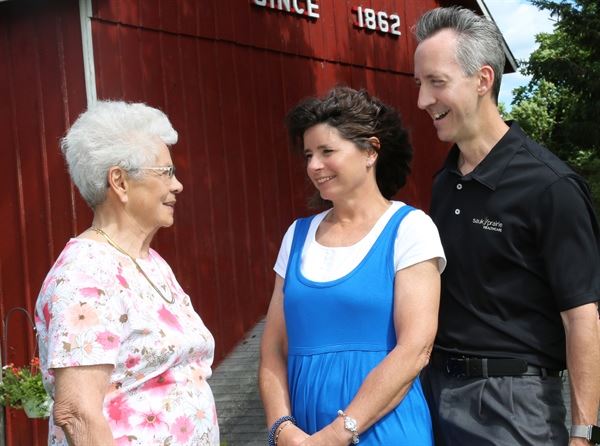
(351, 425)
(590, 432)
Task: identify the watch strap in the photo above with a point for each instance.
(590, 432)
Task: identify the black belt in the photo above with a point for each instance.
(472, 367)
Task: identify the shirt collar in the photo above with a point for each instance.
(490, 170)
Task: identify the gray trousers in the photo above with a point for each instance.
(495, 411)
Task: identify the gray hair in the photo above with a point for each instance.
(479, 40)
(112, 133)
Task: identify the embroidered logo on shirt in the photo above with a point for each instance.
(488, 224)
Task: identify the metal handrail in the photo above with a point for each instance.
(5, 330)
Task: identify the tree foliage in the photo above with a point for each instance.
(559, 106)
(538, 109)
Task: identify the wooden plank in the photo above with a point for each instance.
(267, 109)
(107, 59)
(219, 193)
(205, 18)
(224, 23)
(30, 185)
(304, 75)
(317, 32)
(107, 10)
(210, 293)
(51, 117)
(278, 135)
(330, 51)
(172, 104)
(168, 15)
(241, 21)
(131, 65)
(34, 90)
(259, 31)
(12, 268)
(229, 156)
(150, 14)
(187, 16)
(197, 193)
(71, 88)
(256, 292)
(152, 69)
(129, 11)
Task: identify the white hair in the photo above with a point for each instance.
(112, 133)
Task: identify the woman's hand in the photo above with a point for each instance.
(333, 434)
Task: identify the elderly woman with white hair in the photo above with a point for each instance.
(123, 353)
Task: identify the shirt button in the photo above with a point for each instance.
(459, 186)
(457, 211)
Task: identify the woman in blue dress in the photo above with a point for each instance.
(354, 309)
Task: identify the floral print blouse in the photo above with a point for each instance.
(95, 307)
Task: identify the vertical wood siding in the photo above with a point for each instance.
(41, 92)
(226, 72)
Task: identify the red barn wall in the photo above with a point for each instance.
(41, 91)
(226, 72)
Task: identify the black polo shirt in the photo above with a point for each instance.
(522, 245)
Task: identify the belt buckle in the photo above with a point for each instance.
(457, 366)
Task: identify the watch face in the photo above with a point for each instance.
(350, 424)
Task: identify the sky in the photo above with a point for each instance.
(519, 22)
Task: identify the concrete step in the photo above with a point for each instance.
(235, 386)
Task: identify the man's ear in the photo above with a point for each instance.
(118, 183)
(486, 80)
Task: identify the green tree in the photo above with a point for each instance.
(560, 104)
(566, 65)
(537, 108)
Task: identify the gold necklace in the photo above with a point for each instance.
(112, 243)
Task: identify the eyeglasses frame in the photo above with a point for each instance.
(169, 170)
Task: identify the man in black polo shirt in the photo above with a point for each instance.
(521, 289)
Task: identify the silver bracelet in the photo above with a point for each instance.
(350, 425)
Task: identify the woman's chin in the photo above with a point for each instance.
(166, 222)
(325, 195)
(329, 197)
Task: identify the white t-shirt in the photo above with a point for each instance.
(417, 240)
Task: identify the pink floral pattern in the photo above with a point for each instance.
(107, 340)
(96, 308)
(168, 318)
(182, 429)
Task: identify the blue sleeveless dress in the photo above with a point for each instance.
(338, 331)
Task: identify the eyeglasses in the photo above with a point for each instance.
(164, 170)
